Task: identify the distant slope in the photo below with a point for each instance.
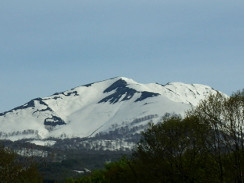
(99, 107)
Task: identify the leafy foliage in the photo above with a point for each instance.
(13, 169)
(206, 146)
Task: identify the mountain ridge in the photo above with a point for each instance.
(87, 110)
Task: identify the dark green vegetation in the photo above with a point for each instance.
(55, 164)
(74, 161)
(16, 169)
(206, 146)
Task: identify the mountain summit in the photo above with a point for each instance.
(99, 108)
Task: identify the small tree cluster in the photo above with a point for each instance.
(15, 170)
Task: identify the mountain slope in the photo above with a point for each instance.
(99, 108)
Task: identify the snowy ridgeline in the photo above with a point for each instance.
(118, 107)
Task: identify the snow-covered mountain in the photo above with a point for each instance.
(118, 104)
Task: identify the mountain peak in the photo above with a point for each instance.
(99, 106)
(128, 80)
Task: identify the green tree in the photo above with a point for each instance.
(114, 172)
(120, 171)
(12, 169)
(175, 151)
(225, 115)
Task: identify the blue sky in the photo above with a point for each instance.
(53, 45)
